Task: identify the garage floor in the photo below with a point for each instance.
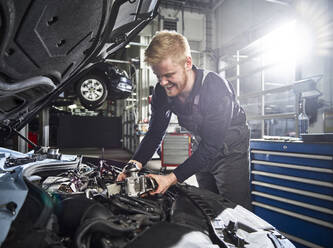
(118, 155)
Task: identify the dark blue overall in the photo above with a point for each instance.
(214, 117)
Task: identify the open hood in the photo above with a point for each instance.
(46, 44)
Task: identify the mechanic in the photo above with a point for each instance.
(205, 105)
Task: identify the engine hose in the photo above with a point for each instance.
(87, 229)
(135, 210)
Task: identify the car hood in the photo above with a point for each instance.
(47, 44)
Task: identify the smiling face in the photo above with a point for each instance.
(174, 77)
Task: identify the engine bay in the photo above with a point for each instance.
(77, 202)
(82, 205)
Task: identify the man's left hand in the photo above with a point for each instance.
(164, 182)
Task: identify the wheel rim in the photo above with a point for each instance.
(92, 90)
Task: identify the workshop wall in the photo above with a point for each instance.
(239, 22)
(190, 24)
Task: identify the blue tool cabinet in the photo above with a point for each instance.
(292, 188)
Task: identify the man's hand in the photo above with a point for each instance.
(121, 176)
(164, 182)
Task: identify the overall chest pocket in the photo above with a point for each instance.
(192, 122)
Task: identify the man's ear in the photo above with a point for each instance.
(188, 63)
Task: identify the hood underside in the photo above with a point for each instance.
(47, 44)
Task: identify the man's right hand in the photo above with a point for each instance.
(123, 174)
(121, 177)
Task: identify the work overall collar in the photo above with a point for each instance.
(188, 112)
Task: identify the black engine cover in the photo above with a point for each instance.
(45, 37)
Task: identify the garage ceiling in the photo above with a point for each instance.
(192, 5)
(203, 6)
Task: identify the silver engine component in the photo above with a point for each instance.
(131, 170)
(133, 185)
(53, 153)
(99, 181)
(136, 186)
(55, 184)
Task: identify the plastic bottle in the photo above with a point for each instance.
(303, 119)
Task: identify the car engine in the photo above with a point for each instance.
(77, 202)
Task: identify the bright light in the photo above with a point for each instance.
(318, 16)
(290, 43)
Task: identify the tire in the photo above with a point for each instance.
(92, 91)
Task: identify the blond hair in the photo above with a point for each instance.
(167, 44)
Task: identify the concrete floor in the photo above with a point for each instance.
(121, 156)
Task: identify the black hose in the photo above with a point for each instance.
(101, 226)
